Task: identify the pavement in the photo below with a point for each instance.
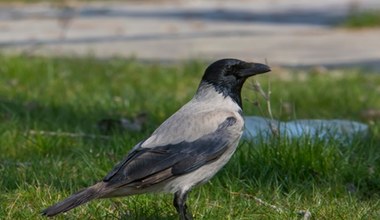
(296, 33)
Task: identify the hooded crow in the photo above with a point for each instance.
(187, 149)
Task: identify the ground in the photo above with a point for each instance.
(285, 33)
(51, 145)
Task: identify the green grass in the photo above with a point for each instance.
(331, 180)
(363, 19)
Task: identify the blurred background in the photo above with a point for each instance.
(296, 33)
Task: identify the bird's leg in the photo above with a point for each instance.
(179, 203)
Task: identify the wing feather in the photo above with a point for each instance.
(148, 166)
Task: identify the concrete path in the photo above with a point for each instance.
(282, 32)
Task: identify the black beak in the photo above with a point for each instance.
(251, 69)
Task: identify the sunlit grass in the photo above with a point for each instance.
(331, 180)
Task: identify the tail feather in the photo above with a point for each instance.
(75, 200)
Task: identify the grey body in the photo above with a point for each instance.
(208, 108)
(187, 149)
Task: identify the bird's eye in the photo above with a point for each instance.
(228, 72)
(232, 70)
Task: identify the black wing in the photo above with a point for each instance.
(147, 166)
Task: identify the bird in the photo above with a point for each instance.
(187, 149)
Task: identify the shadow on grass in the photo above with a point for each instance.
(58, 160)
(158, 216)
(35, 115)
(302, 166)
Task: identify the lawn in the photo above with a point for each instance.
(363, 19)
(331, 180)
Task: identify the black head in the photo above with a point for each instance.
(228, 76)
